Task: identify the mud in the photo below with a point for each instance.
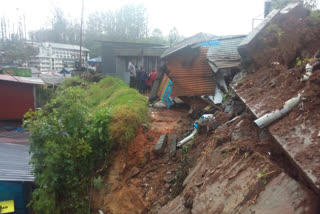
(138, 181)
(239, 176)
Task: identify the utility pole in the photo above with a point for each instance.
(81, 24)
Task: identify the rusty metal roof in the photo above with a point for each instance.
(199, 37)
(225, 53)
(26, 80)
(191, 80)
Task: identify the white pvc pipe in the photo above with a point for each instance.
(269, 118)
(180, 143)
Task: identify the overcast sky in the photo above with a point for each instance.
(219, 17)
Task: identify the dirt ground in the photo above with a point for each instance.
(230, 170)
(138, 180)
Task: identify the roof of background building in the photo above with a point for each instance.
(63, 46)
(130, 44)
(26, 80)
(52, 78)
(197, 38)
(14, 163)
(224, 53)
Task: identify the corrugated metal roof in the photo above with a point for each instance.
(191, 80)
(26, 80)
(199, 37)
(52, 78)
(225, 54)
(14, 163)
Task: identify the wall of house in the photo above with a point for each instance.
(122, 65)
(108, 59)
(19, 192)
(16, 99)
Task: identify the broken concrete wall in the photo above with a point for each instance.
(276, 39)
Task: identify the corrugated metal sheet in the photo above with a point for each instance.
(192, 80)
(52, 78)
(26, 80)
(199, 37)
(225, 55)
(14, 163)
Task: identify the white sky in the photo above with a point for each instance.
(219, 17)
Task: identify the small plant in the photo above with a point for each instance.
(262, 176)
(97, 183)
(298, 61)
(273, 28)
(186, 147)
(226, 96)
(224, 152)
(314, 17)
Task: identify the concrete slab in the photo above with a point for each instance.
(295, 142)
(159, 147)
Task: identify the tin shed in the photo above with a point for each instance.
(17, 96)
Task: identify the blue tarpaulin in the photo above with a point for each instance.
(97, 59)
(210, 43)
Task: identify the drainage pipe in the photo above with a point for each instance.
(269, 118)
(194, 132)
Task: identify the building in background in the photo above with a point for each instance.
(116, 56)
(56, 56)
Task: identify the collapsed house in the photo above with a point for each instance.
(199, 67)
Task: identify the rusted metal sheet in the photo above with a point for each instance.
(195, 79)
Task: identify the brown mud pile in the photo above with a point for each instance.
(236, 174)
(274, 77)
(138, 181)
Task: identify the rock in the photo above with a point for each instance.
(159, 104)
(172, 145)
(133, 172)
(168, 178)
(159, 147)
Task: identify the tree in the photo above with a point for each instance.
(173, 36)
(128, 23)
(16, 52)
(157, 33)
(61, 30)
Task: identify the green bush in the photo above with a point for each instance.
(74, 134)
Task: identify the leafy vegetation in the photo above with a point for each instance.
(74, 134)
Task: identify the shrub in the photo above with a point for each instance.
(74, 134)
